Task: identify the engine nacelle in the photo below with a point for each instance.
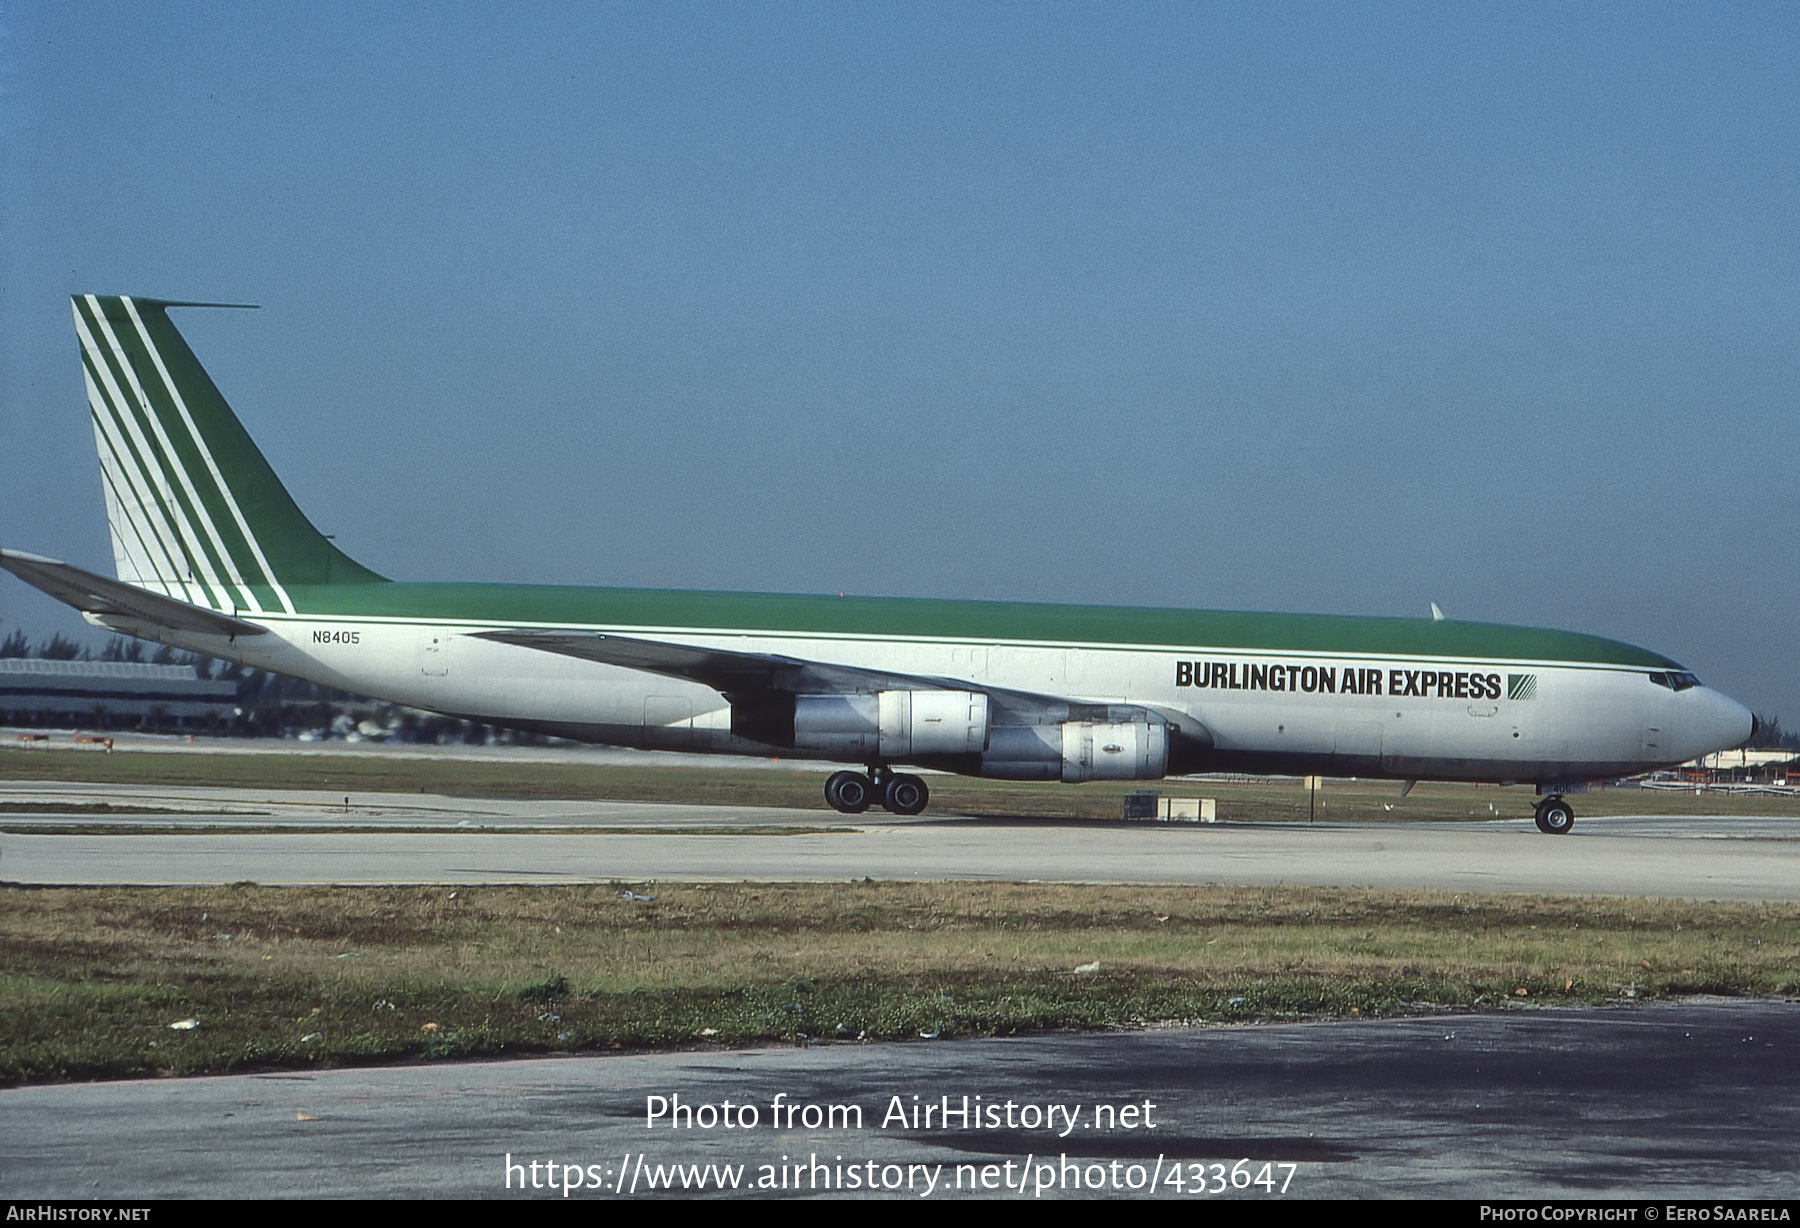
(892, 724)
(1075, 751)
(1023, 752)
(915, 723)
(1129, 750)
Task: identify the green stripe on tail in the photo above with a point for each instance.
(185, 467)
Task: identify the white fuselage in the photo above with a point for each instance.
(1264, 710)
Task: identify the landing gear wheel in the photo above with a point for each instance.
(905, 795)
(1555, 817)
(849, 792)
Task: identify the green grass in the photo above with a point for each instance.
(91, 978)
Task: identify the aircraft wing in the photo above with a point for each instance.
(739, 673)
(103, 598)
(721, 669)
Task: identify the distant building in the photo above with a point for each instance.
(109, 693)
(1742, 758)
(1745, 765)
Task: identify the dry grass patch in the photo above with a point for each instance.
(91, 978)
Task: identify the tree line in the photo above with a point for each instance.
(60, 647)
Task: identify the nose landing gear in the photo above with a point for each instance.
(852, 792)
(1555, 816)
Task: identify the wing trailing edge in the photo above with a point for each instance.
(721, 669)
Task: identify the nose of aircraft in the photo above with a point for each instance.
(1719, 722)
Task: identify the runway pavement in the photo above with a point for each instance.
(405, 838)
(1682, 1100)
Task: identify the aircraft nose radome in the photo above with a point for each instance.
(1726, 724)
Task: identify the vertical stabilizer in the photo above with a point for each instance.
(196, 512)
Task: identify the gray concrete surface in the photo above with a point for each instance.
(208, 807)
(1684, 1100)
(407, 838)
(226, 808)
(1673, 826)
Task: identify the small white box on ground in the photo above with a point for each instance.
(1185, 809)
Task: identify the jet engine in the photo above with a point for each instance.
(1074, 751)
(889, 725)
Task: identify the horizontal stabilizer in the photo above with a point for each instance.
(92, 594)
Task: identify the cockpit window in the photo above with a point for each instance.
(1679, 680)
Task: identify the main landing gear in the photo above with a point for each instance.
(853, 792)
(1555, 816)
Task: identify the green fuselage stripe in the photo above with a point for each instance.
(971, 621)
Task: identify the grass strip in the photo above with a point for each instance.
(91, 979)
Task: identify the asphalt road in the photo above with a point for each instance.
(237, 835)
(1688, 1100)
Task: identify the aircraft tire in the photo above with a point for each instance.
(1555, 817)
(849, 792)
(905, 795)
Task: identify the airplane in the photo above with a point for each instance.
(212, 555)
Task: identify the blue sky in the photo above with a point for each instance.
(1338, 308)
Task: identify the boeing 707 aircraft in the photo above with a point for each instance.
(213, 556)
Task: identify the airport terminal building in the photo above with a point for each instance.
(110, 694)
